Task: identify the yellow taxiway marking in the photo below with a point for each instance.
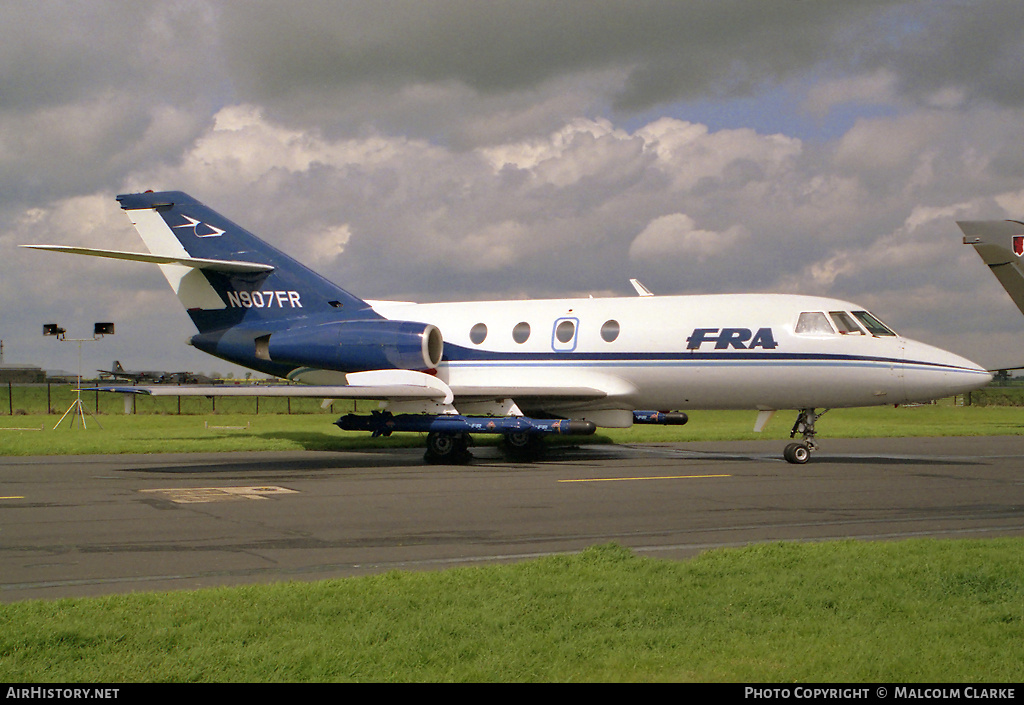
(661, 477)
(13, 497)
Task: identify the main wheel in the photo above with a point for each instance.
(447, 449)
(797, 453)
(522, 446)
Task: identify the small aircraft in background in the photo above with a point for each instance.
(155, 376)
(523, 369)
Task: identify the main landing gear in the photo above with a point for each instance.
(800, 453)
(522, 447)
(453, 448)
(447, 448)
(448, 436)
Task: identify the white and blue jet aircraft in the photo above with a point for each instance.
(523, 369)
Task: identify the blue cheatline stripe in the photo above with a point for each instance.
(711, 363)
(461, 357)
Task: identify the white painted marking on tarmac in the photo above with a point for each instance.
(199, 495)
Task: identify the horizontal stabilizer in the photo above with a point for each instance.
(217, 265)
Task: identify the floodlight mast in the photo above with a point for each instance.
(98, 331)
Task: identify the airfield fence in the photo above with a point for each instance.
(55, 398)
(996, 395)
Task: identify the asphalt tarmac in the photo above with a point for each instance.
(92, 525)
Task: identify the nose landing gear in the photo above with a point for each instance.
(800, 453)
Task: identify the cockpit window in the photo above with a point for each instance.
(813, 323)
(874, 326)
(845, 323)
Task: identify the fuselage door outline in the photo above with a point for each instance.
(564, 334)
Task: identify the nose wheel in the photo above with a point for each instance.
(797, 453)
(800, 453)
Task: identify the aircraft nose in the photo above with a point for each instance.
(932, 373)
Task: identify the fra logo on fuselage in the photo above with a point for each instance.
(736, 338)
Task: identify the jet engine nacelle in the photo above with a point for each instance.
(357, 346)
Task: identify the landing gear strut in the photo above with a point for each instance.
(800, 453)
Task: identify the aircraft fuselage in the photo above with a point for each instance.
(740, 351)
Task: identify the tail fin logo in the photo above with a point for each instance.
(1018, 245)
(199, 228)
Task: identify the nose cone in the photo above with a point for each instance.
(932, 373)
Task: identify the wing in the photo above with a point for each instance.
(404, 385)
(316, 391)
(360, 391)
(387, 385)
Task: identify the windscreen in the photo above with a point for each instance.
(874, 326)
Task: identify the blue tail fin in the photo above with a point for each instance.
(225, 276)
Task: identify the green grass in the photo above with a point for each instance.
(913, 611)
(184, 434)
(173, 433)
(942, 419)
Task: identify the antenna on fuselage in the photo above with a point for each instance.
(641, 290)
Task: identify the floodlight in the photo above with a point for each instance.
(98, 331)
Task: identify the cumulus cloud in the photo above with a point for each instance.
(448, 149)
(676, 238)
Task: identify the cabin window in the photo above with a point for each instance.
(874, 326)
(610, 331)
(565, 331)
(521, 333)
(813, 323)
(845, 323)
(478, 333)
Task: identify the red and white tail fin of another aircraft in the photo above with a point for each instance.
(1000, 244)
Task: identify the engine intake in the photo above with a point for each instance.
(357, 346)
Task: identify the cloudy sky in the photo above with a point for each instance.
(438, 150)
